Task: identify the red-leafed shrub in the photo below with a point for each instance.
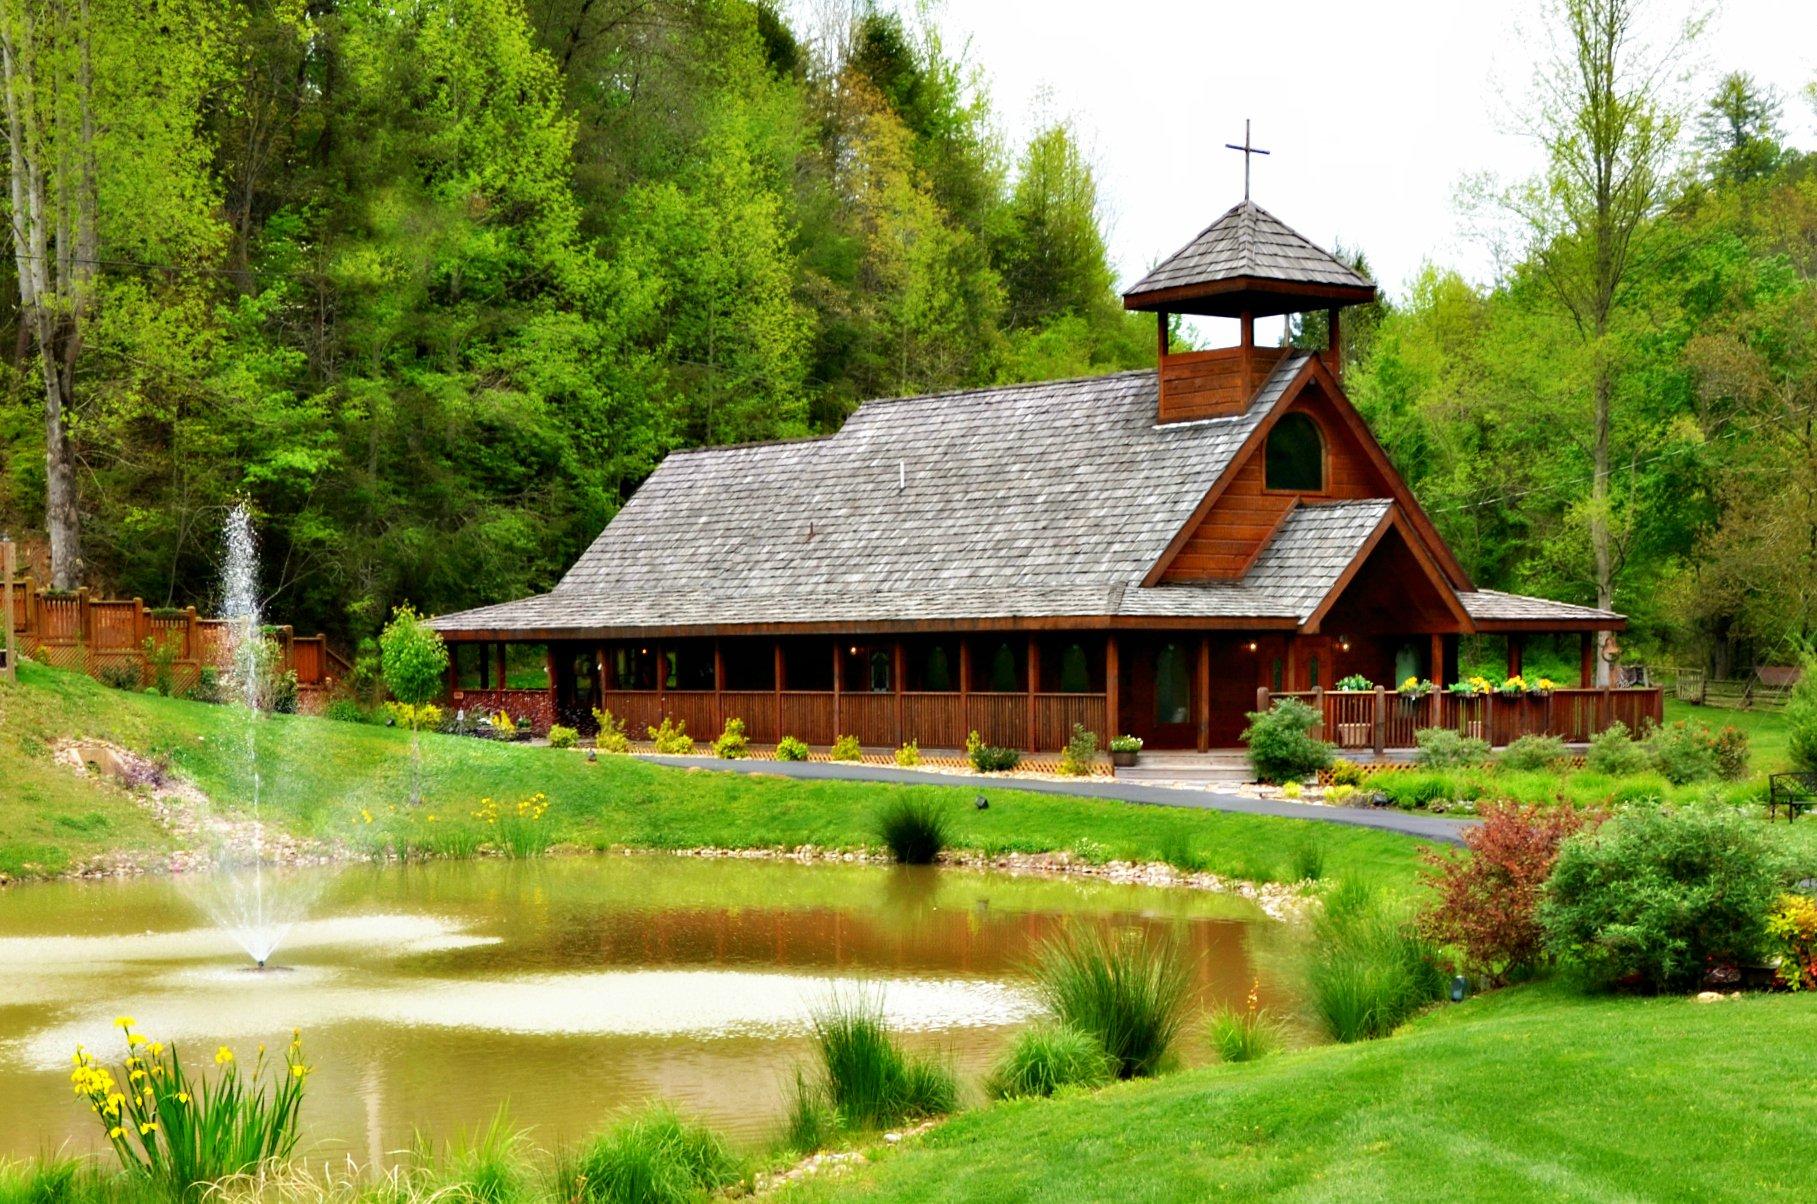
(1487, 902)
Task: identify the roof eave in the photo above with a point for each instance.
(1258, 296)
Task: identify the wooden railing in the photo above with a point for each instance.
(1039, 722)
(1376, 720)
(107, 638)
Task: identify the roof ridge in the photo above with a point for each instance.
(1004, 388)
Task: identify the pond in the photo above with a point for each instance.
(571, 989)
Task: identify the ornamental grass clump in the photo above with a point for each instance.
(519, 830)
(1370, 968)
(182, 1130)
(486, 1166)
(1247, 1033)
(914, 831)
(866, 1080)
(1127, 990)
(654, 1157)
(1046, 1058)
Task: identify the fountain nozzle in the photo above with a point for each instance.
(261, 963)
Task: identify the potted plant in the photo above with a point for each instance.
(1514, 686)
(1414, 689)
(1356, 683)
(1540, 687)
(1123, 750)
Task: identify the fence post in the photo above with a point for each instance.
(1261, 698)
(1318, 708)
(1381, 720)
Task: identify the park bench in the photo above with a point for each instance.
(1793, 791)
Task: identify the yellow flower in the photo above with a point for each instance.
(135, 1076)
(150, 1126)
(223, 1056)
(154, 1048)
(298, 1070)
(116, 1133)
(124, 1022)
(182, 1097)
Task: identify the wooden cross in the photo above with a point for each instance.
(1247, 150)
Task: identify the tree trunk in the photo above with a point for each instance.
(62, 516)
(1600, 535)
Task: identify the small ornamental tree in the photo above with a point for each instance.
(414, 662)
(1486, 904)
(1282, 747)
(1801, 719)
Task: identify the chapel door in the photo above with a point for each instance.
(1157, 700)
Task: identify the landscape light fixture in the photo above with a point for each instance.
(1459, 988)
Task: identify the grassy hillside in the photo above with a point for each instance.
(1530, 1094)
(319, 776)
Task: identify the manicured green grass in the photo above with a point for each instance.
(1531, 1094)
(319, 776)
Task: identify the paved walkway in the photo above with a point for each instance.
(1427, 827)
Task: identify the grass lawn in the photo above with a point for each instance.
(1767, 738)
(1534, 1093)
(320, 775)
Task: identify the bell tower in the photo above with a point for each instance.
(1246, 265)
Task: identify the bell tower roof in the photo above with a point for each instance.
(1248, 262)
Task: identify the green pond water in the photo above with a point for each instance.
(571, 990)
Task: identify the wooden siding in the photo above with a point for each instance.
(1240, 523)
(1213, 384)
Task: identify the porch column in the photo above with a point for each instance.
(1515, 647)
(1437, 665)
(965, 682)
(454, 668)
(838, 663)
(1113, 717)
(600, 659)
(719, 685)
(1586, 660)
(776, 648)
(1034, 685)
(499, 677)
(662, 683)
(1203, 692)
(897, 664)
(1289, 676)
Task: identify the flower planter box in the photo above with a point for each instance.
(1123, 760)
(1354, 735)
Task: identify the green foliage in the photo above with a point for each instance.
(1801, 719)
(1045, 1058)
(671, 738)
(789, 748)
(866, 1080)
(913, 830)
(121, 674)
(1244, 1034)
(1370, 969)
(1281, 744)
(1347, 773)
(1307, 857)
(562, 736)
(1615, 753)
(1443, 748)
(612, 737)
(1127, 990)
(414, 657)
(845, 748)
(988, 758)
(1126, 744)
(732, 744)
(1080, 753)
(1658, 894)
(1684, 751)
(1356, 681)
(1731, 750)
(1534, 753)
(652, 1158)
(161, 660)
(909, 755)
(344, 710)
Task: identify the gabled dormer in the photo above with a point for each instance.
(1246, 265)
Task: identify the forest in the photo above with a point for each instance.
(433, 286)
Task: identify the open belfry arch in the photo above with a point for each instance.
(1141, 552)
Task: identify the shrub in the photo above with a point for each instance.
(1615, 753)
(1731, 753)
(1346, 773)
(208, 685)
(1080, 753)
(1684, 751)
(1046, 1057)
(612, 737)
(161, 659)
(1126, 990)
(1801, 719)
(732, 744)
(181, 1130)
(653, 1158)
(1486, 903)
(1281, 744)
(909, 755)
(845, 748)
(1292, 789)
(561, 736)
(120, 675)
(1339, 794)
(914, 831)
(790, 749)
(987, 758)
(1413, 789)
(1244, 1034)
(1534, 753)
(1443, 748)
(343, 710)
(1370, 969)
(867, 1080)
(1792, 927)
(1657, 894)
(413, 658)
(671, 738)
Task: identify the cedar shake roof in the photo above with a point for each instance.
(1247, 259)
(1042, 501)
(1493, 606)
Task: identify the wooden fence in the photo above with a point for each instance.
(1767, 689)
(1379, 719)
(113, 639)
(880, 720)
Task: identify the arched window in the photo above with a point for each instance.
(880, 673)
(1075, 677)
(1173, 686)
(939, 676)
(1003, 671)
(1295, 456)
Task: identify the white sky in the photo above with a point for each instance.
(1374, 111)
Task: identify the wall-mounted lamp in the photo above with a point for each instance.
(1343, 643)
(1252, 645)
